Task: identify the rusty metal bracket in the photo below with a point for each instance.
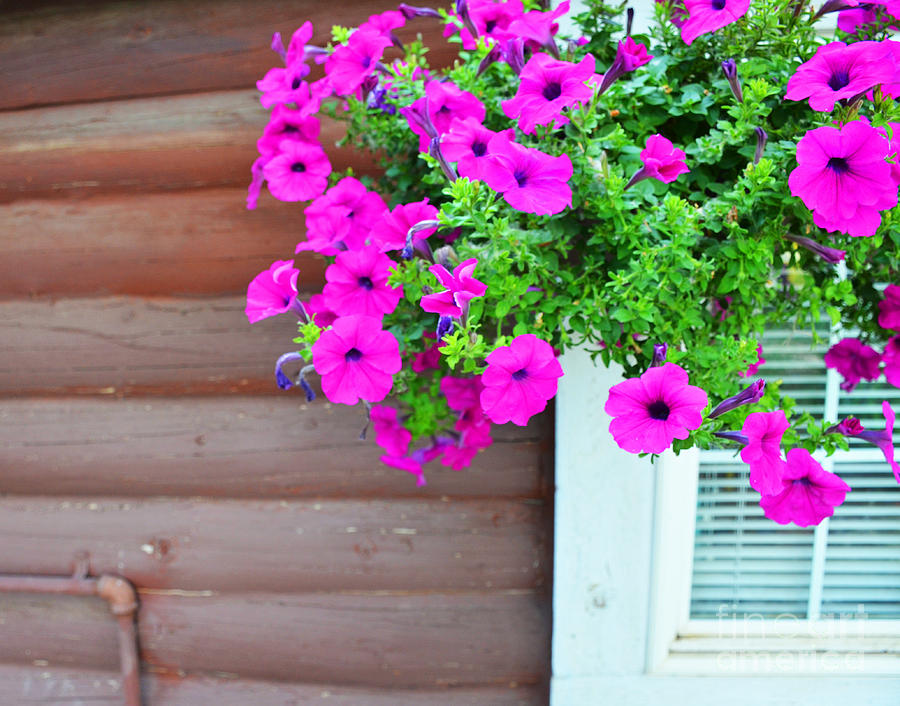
(123, 603)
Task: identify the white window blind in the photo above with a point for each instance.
(847, 567)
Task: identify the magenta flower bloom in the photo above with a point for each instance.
(442, 103)
(384, 23)
(662, 160)
(299, 172)
(390, 232)
(709, 15)
(854, 361)
(358, 284)
(842, 176)
(891, 359)
(430, 358)
(285, 86)
(629, 56)
(754, 368)
(529, 180)
(357, 360)
(490, 19)
(839, 72)
(364, 208)
(808, 493)
(547, 87)
(272, 291)
(350, 63)
(467, 145)
(538, 28)
(889, 308)
(654, 409)
(328, 234)
(472, 440)
(883, 439)
(287, 124)
(322, 315)
(464, 396)
(461, 288)
(762, 453)
(852, 18)
(390, 434)
(408, 464)
(519, 380)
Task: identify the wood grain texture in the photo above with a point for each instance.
(156, 244)
(147, 144)
(237, 447)
(107, 50)
(22, 684)
(285, 546)
(397, 640)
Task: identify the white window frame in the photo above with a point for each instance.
(624, 533)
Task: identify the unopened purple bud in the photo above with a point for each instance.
(434, 149)
(749, 395)
(514, 54)
(281, 378)
(732, 436)
(494, 55)
(277, 46)
(310, 395)
(410, 12)
(445, 326)
(629, 15)
(729, 68)
(420, 116)
(761, 138)
(659, 354)
(407, 251)
(832, 255)
(850, 426)
(462, 11)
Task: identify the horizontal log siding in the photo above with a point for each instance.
(277, 560)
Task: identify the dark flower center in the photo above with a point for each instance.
(365, 283)
(659, 410)
(490, 25)
(839, 165)
(353, 355)
(838, 80)
(367, 60)
(802, 481)
(521, 178)
(295, 84)
(478, 149)
(718, 4)
(552, 91)
(298, 167)
(520, 374)
(290, 128)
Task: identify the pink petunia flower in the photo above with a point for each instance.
(389, 233)
(652, 410)
(808, 493)
(519, 380)
(709, 15)
(851, 19)
(891, 359)
(461, 286)
(442, 103)
(838, 71)
(317, 308)
(883, 439)
(547, 87)
(490, 19)
(754, 368)
(430, 358)
(272, 291)
(299, 172)
(350, 63)
(854, 361)
(889, 308)
(473, 439)
(467, 144)
(363, 208)
(842, 176)
(287, 124)
(662, 160)
(408, 464)
(464, 397)
(538, 28)
(357, 360)
(529, 180)
(762, 453)
(384, 23)
(327, 234)
(358, 284)
(390, 434)
(630, 55)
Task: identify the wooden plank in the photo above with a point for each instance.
(107, 50)
(157, 244)
(21, 684)
(237, 447)
(149, 144)
(285, 546)
(396, 640)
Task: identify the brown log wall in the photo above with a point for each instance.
(277, 561)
